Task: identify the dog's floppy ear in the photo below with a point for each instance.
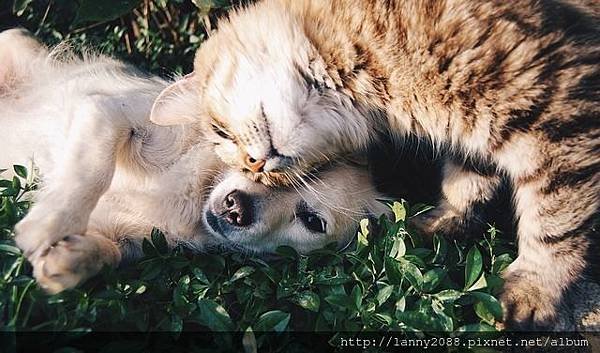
(19, 50)
(177, 104)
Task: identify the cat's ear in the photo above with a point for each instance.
(177, 104)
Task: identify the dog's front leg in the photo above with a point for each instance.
(74, 259)
(71, 190)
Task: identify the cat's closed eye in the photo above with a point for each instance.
(220, 131)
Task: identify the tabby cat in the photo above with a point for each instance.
(513, 86)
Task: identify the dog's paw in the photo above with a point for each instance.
(72, 260)
(35, 236)
(528, 305)
(443, 220)
(46, 225)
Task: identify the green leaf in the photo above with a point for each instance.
(16, 183)
(20, 171)
(107, 10)
(159, 241)
(362, 240)
(384, 293)
(490, 303)
(481, 327)
(398, 249)
(151, 270)
(287, 252)
(364, 227)
(420, 320)
(443, 319)
(249, 341)
(184, 282)
(416, 258)
(141, 289)
(449, 295)
(412, 274)
(338, 300)
(399, 211)
(400, 305)
(432, 279)
(419, 208)
(148, 248)
(356, 296)
(10, 192)
(243, 272)
(393, 271)
(382, 319)
(483, 313)
(501, 262)
(176, 324)
(275, 320)
(200, 275)
(494, 283)
(7, 248)
(205, 6)
(440, 247)
(332, 280)
(213, 316)
(19, 6)
(308, 300)
(481, 283)
(178, 261)
(473, 266)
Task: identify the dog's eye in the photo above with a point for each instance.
(220, 131)
(313, 222)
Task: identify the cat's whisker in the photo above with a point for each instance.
(323, 199)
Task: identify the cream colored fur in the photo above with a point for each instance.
(108, 175)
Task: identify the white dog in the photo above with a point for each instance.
(108, 175)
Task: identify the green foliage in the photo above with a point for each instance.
(157, 35)
(390, 280)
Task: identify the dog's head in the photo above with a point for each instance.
(249, 216)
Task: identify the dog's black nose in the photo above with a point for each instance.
(237, 209)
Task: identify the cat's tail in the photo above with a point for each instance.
(19, 50)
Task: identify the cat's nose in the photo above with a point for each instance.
(254, 165)
(237, 209)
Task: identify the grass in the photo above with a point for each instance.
(390, 280)
(160, 36)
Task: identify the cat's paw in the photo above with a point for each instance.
(528, 305)
(443, 220)
(72, 260)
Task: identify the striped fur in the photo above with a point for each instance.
(514, 85)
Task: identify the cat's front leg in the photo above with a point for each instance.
(71, 190)
(462, 189)
(557, 221)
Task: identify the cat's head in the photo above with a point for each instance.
(264, 97)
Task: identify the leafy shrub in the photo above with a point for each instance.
(389, 280)
(158, 35)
